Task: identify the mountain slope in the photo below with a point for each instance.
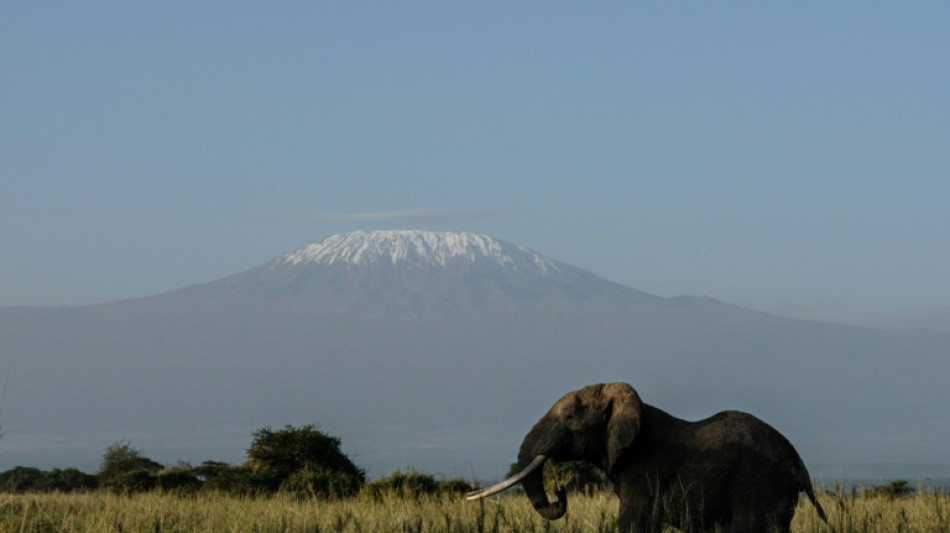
(368, 273)
(440, 350)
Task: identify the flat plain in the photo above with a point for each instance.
(103, 511)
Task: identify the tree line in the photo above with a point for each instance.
(299, 460)
(303, 461)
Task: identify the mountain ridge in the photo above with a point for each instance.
(409, 265)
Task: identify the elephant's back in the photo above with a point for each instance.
(737, 428)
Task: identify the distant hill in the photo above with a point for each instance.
(937, 319)
(440, 350)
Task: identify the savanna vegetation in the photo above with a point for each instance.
(395, 510)
(298, 479)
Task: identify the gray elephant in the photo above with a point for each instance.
(729, 472)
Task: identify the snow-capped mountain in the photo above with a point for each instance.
(408, 274)
(415, 248)
(439, 350)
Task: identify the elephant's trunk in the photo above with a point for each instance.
(533, 485)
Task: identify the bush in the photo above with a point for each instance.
(412, 483)
(319, 481)
(579, 476)
(225, 478)
(574, 476)
(67, 480)
(409, 483)
(27, 479)
(178, 478)
(302, 460)
(125, 469)
(893, 490)
(20, 479)
(455, 486)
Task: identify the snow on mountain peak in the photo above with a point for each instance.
(416, 247)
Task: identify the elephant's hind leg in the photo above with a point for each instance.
(777, 519)
(759, 524)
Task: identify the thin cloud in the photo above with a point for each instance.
(421, 216)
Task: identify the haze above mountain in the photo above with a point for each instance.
(932, 318)
(440, 350)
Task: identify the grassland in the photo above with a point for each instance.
(162, 512)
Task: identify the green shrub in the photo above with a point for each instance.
(893, 490)
(222, 477)
(20, 479)
(319, 481)
(125, 469)
(573, 476)
(67, 480)
(413, 483)
(179, 478)
(409, 483)
(455, 486)
(27, 479)
(302, 460)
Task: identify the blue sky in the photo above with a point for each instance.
(775, 155)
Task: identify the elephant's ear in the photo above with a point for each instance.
(624, 411)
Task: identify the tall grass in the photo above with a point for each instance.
(392, 512)
(154, 512)
(926, 512)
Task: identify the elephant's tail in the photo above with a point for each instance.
(810, 492)
(804, 482)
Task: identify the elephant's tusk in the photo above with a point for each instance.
(513, 480)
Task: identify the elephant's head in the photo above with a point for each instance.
(594, 424)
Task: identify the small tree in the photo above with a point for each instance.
(20, 479)
(224, 477)
(303, 460)
(124, 468)
(893, 490)
(68, 480)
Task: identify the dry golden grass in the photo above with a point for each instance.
(155, 512)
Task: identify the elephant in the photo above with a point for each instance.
(730, 472)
